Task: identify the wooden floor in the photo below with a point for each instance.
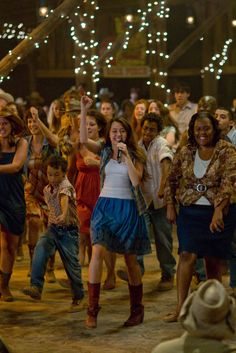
(47, 327)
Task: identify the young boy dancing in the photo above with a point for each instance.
(62, 233)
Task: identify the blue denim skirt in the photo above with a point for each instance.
(194, 234)
(116, 225)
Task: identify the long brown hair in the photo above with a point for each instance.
(136, 152)
(133, 119)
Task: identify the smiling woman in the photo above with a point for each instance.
(126, 234)
(202, 181)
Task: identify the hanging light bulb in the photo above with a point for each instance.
(43, 11)
(43, 8)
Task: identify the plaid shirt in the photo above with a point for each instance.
(52, 199)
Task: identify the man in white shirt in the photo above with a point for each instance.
(159, 157)
(183, 109)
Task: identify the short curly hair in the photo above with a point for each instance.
(201, 115)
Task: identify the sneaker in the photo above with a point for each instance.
(165, 283)
(75, 306)
(122, 274)
(33, 291)
(50, 276)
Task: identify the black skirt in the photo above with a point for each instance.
(194, 235)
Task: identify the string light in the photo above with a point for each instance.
(155, 40)
(218, 61)
(11, 31)
(85, 54)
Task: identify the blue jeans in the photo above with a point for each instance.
(65, 240)
(162, 231)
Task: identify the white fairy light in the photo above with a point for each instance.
(217, 61)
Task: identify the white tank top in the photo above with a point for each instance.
(200, 167)
(117, 182)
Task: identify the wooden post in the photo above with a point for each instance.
(58, 16)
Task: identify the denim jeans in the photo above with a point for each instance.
(162, 231)
(66, 241)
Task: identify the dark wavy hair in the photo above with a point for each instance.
(202, 115)
(153, 118)
(135, 150)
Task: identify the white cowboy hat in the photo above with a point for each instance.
(209, 312)
(6, 96)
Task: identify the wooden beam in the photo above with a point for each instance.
(198, 33)
(27, 45)
(55, 73)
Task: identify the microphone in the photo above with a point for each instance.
(119, 155)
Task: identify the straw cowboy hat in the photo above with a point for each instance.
(209, 312)
(72, 106)
(6, 96)
(13, 118)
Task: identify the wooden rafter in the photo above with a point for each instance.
(27, 45)
(198, 33)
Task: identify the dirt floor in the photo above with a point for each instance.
(47, 326)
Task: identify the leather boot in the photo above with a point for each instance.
(4, 289)
(93, 307)
(31, 254)
(136, 307)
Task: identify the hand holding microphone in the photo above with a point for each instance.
(122, 149)
(119, 155)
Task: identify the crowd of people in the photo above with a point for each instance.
(90, 180)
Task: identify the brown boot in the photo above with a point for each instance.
(4, 288)
(93, 308)
(136, 307)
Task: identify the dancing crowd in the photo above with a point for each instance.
(90, 181)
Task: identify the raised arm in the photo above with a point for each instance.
(93, 146)
(52, 138)
(18, 160)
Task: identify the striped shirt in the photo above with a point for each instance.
(52, 197)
